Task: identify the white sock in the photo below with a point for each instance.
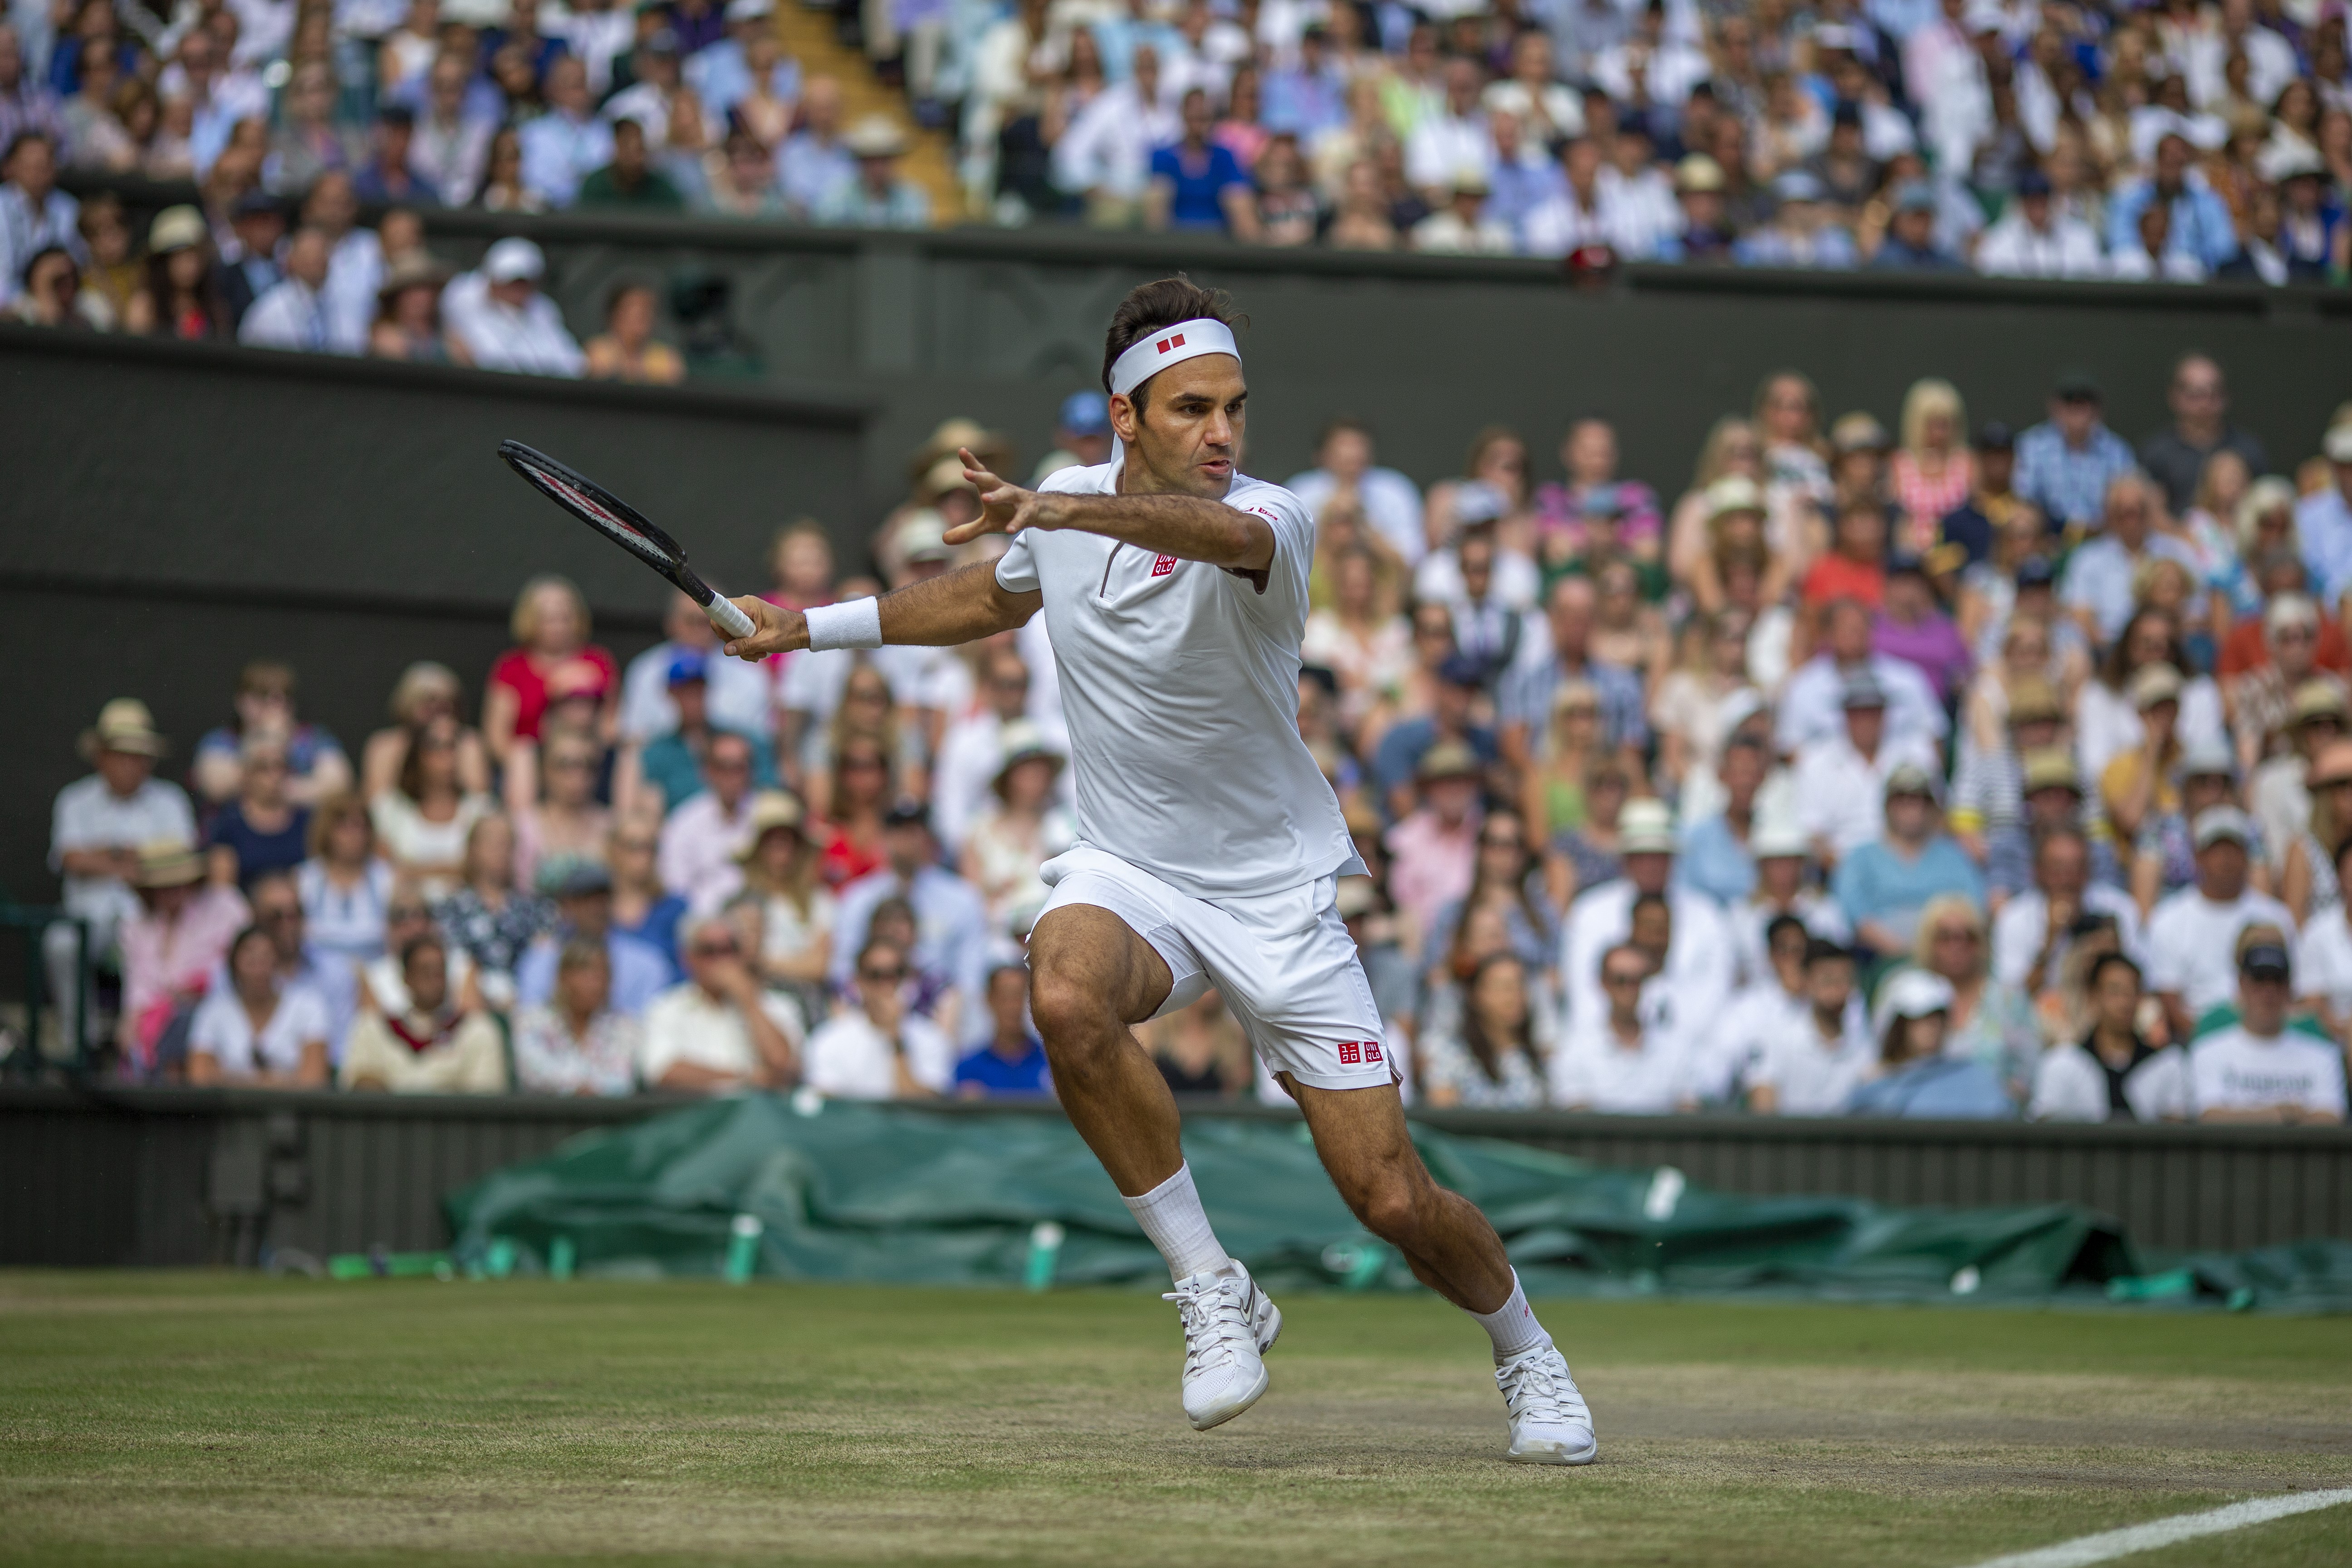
(1512, 1326)
(1171, 1215)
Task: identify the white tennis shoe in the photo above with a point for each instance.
(1551, 1423)
(1229, 1325)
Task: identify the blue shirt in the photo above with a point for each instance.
(639, 973)
(257, 851)
(2099, 577)
(2200, 223)
(669, 762)
(2324, 522)
(1874, 883)
(2067, 485)
(1525, 698)
(1198, 184)
(658, 930)
(1715, 862)
(1027, 1076)
(1405, 743)
(1942, 1089)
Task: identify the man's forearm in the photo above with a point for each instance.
(955, 607)
(1187, 527)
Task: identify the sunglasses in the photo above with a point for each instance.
(1620, 979)
(716, 950)
(408, 913)
(882, 976)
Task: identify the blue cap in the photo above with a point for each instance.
(1463, 670)
(1086, 414)
(688, 666)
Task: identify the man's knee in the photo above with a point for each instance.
(1392, 1200)
(1072, 1012)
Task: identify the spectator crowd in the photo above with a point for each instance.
(1952, 769)
(2072, 139)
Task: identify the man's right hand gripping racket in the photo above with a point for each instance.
(626, 526)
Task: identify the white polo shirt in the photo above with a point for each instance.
(2232, 1069)
(2193, 942)
(684, 1024)
(1813, 1077)
(1592, 1070)
(849, 1059)
(1180, 686)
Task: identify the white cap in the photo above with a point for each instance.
(1776, 837)
(1911, 994)
(2216, 823)
(2338, 447)
(512, 259)
(1645, 827)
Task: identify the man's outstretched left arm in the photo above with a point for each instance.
(1189, 528)
(958, 606)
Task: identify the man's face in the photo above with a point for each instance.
(629, 149)
(1849, 634)
(2075, 417)
(727, 769)
(332, 205)
(584, 988)
(278, 910)
(1703, 208)
(714, 958)
(427, 974)
(1477, 567)
(1461, 86)
(124, 771)
(2063, 868)
(2126, 516)
(1621, 977)
(908, 844)
(2171, 163)
(1452, 800)
(1649, 870)
(2262, 1003)
(2221, 869)
(2197, 391)
(514, 293)
(1829, 986)
(34, 169)
(1455, 703)
(588, 914)
(2037, 210)
(2049, 806)
(1915, 228)
(567, 86)
(1008, 999)
(1998, 467)
(1865, 727)
(882, 984)
(692, 699)
(12, 59)
(449, 85)
(1570, 613)
(259, 232)
(308, 259)
(1008, 690)
(1908, 815)
(1198, 116)
(1188, 436)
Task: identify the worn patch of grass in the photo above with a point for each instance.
(207, 1418)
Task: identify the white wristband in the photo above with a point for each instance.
(857, 624)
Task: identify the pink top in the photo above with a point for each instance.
(1926, 501)
(1431, 865)
(162, 958)
(515, 671)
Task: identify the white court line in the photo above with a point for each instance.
(2181, 1527)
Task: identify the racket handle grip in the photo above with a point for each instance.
(727, 618)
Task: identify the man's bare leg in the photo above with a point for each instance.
(1361, 1137)
(1091, 979)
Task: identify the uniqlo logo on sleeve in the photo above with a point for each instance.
(1163, 565)
(1351, 1053)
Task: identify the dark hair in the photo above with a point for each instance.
(2114, 672)
(1487, 1053)
(1162, 302)
(24, 273)
(1645, 901)
(874, 944)
(418, 943)
(1344, 422)
(228, 959)
(1778, 923)
(1003, 969)
(2105, 961)
(1822, 950)
(18, 140)
(895, 907)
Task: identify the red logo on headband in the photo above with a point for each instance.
(1175, 343)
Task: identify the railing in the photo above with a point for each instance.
(104, 1177)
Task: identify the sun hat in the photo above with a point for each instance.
(1645, 827)
(1733, 492)
(175, 229)
(168, 863)
(770, 809)
(1023, 742)
(2155, 683)
(125, 725)
(1446, 760)
(1912, 993)
(512, 259)
(875, 136)
(2051, 767)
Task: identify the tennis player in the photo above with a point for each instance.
(1175, 595)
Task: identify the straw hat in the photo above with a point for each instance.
(770, 809)
(168, 863)
(1023, 742)
(124, 725)
(1645, 827)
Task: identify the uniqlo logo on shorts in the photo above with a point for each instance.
(1163, 565)
(1371, 1050)
(1351, 1053)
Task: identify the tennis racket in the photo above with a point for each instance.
(625, 525)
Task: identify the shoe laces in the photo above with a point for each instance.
(1216, 1313)
(1536, 1385)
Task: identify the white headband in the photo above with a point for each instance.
(1169, 345)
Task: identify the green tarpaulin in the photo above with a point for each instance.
(840, 1190)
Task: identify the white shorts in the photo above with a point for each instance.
(1284, 963)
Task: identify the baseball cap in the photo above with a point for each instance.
(2207, 759)
(1084, 414)
(906, 813)
(2034, 700)
(2265, 960)
(2152, 684)
(2035, 572)
(1777, 837)
(1910, 778)
(689, 665)
(1863, 691)
(1733, 492)
(1463, 670)
(1903, 563)
(1914, 196)
(750, 10)
(512, 259)
(574, 877)
(2338, 444)
(1992, 436)
(1645, 827)
(1477, 502)
(2216, 823)
(1798, 186)
(1913, 993)
(1858, 432)
(2051, 767)
(2076, 386)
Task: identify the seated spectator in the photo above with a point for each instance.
(1197, 184)
(2139, 780)
(2034, 929)
(878, 1048)
(2163, 860)
(1912, 627)
(1406, 745)
(670, 765)
(1814, 1060)
(1523, 702)
(1884, 886)
(345, 885)
(1346, 467)
(2108, 721)
(2323, 519)
(736, 694)
(2114, 1074)
(1812, 703)
(259, 830)
(407, 323)
(486, 918)
(1910, 243)
(1614, 1060)
(438, 1046)
(1717, 854)
(626, 350)
(2287, 692)
(1723, 1059)
(582, 891)
(96, 827)
(1462, 227)
(253, 1032)
(1483, 1054)
(1912, 1076)
(181, 279)
(953, 944)
(1199, 1049)
(2097, 588)
(1009, 842)
(796, 913)
(629, 182)
(2002, 799)
(1554, 799)
(1012, 1064)
(550, 629)
(424, 822)
(293, 314)
(563, 146)
(2259, 1069)
(183, 929)
(718, 1032)
(503, 320)
(1784, 886)
(858, 795)
(2307, 883)
(578, 1044)
(2034, 239)
(2323, 957)
(381, 986)
(642, 906)
(1840, 783)
(567, 819)
(1433, 848)
(264, 705)
(425, 691)
(2192, 936)
(1702, 959)
(1695, 706)
(877, 195)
